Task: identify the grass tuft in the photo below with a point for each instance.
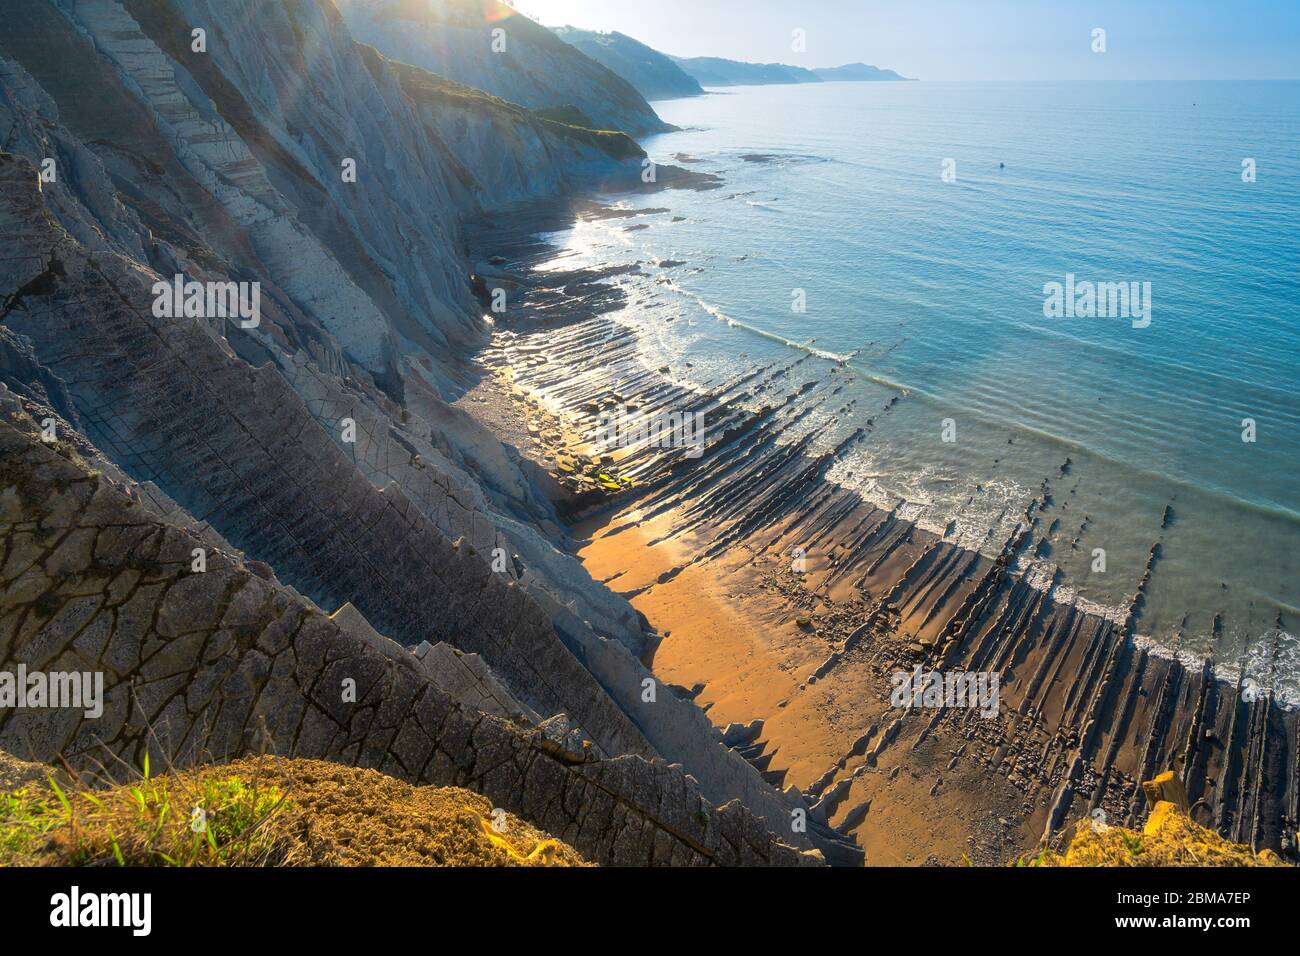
(262, 811)
(182, 819)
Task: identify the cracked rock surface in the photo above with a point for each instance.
(212, 665)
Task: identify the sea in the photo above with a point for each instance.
(936, 243)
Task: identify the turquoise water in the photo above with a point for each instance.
(934, 291)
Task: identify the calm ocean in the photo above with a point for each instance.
(922, 221)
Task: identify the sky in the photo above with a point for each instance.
(967, 39)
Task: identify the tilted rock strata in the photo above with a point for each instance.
(239, 449)
(1086, 711)
(159, 183)
(222, 663)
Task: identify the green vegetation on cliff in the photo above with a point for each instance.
(565, 121)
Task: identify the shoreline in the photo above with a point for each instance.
(699, 548)
(712, 616)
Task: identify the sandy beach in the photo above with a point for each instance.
(733, 641)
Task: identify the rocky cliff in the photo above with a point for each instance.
(204, 666)
(346, 511)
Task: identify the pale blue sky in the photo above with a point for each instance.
(967, 39)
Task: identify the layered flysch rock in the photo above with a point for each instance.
(237, 446)
(163, 218)
(208, 665)
(222, 141)
(1084, 711)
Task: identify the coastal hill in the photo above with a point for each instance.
(716, 71)
(858, 73)
(525, 63)
(655, 75)
(660, 76)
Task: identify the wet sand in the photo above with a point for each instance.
(732, 628)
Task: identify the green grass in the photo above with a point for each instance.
(187, 819)
(568, 115)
